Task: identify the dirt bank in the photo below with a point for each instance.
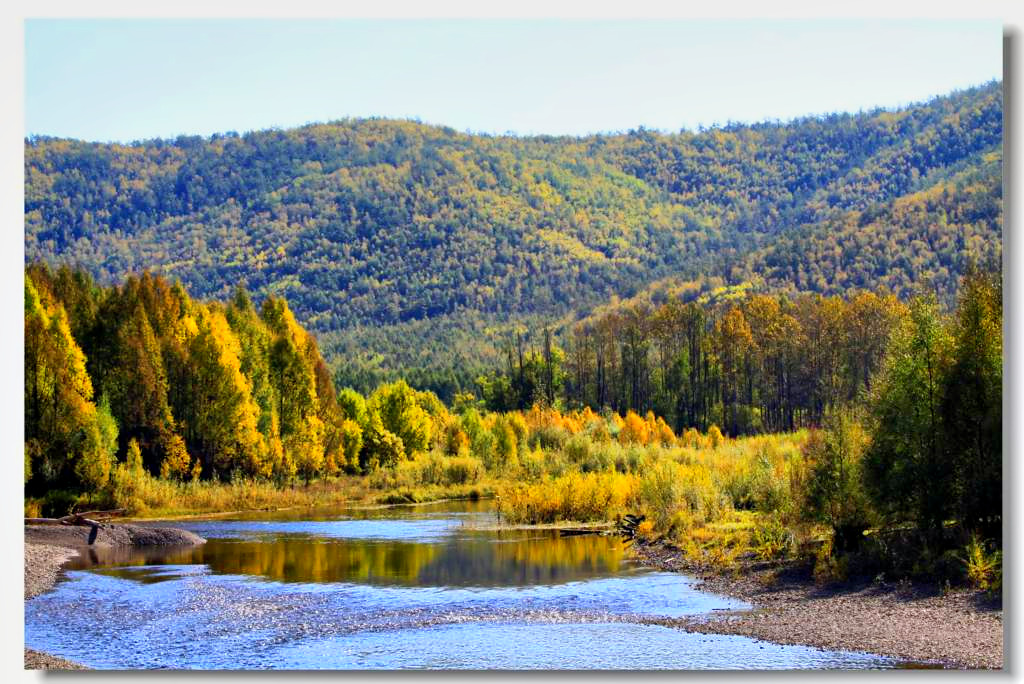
(960, 629)
(48, 547)
(109, 535)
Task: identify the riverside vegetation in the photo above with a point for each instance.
(779, 435)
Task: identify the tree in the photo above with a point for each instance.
(908, 474)
(835, 493)
(64, 434)
(222, 416)
(99, 447)
(971, 409)
(137, 385)
(734, 343)
(402, 415)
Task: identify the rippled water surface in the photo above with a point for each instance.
(412, 587)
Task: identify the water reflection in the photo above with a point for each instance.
(435, 545)
(387, 588)
(466, 559)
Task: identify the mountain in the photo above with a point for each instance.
(409, 249)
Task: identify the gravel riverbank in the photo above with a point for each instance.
(958, 629)
(49, 547)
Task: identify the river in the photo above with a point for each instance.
(431, 586)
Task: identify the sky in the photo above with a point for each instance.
(125, 80)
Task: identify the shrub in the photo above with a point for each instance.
(505, 445)
(769, 488)
(597, 430)
(662, 433)
(660, 494)
(984, 565)
(548, 437)
(771, 539)
(634, 430)
(532, 464)
(577, 449)
(589, 457)
(692, 438)
(58, 503)
(715, 437)
(463, 470)
(176, 460)
(577, 497)
(625, 459)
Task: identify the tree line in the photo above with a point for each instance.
(141, 374)
(747, 363)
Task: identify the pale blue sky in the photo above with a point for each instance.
(133, 79)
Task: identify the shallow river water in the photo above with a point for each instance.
(406, 587)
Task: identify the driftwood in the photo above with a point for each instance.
(627, 526)
(83, 519)
(577, 531)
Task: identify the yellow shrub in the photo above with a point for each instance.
(634, 430)
(715, 437)
(662, 433)
(693, 439)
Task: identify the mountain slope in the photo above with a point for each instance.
(419, 236)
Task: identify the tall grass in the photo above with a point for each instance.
(144, 495)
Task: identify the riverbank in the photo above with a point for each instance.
(49, 547)
(956, 629)
(42, 568)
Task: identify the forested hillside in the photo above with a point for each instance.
(411, 249)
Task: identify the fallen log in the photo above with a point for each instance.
(84, 518)
(98, 514)
(576, 531)
(44, 521)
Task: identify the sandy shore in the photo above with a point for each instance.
(49, 547)
(961, 629)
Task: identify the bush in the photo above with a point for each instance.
(598, 431)
(58, 503)
(532, 464)
(625, 459)
(660, 493)
(590, 457)
(769, 488)
(506, 447)
(984, 565)
(715, 437)
(635, 430)
(463, 470)
(548, 437)
(33, 508)
(577, 449)
(771, 539)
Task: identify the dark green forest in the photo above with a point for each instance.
(417, 251)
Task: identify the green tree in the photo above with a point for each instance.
(401, 414)
(98, 449)
(972, 398)
(907, 471)
(835, 493)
